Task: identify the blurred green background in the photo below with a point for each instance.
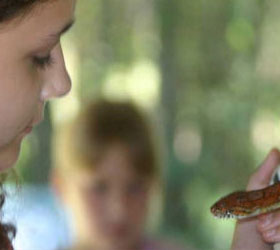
(207, 73)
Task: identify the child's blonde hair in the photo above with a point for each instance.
(83, 142)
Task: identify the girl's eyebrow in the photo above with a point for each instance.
(52, 39)
(62, 31)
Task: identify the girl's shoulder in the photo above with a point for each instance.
(164, 244)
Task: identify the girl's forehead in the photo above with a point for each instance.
(44, 20)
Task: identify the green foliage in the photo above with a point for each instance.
(240, 35)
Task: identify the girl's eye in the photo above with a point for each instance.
(43, 62)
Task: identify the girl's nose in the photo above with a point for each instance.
(57, 82)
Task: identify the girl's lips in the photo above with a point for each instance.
(28, 130)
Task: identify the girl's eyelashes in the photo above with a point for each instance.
(43, 62)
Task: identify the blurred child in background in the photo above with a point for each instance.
(105, 172)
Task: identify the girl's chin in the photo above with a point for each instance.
(6, 165)
(9, 156)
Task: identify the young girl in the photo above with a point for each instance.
(32, 71)
(105, 173)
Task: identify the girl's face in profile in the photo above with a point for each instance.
(32, 70)
(110, 202)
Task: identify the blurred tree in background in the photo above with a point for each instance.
(208, 74)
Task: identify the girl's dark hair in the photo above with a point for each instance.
(7, 231)
(10, 9)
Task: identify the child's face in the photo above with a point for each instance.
(28, 78)
(112, 202)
